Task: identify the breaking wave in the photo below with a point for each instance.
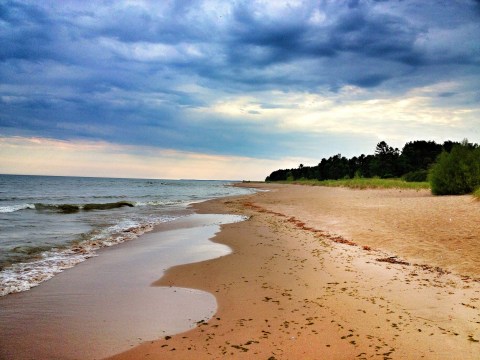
(66, 208)
(23, 276)
(13, 208)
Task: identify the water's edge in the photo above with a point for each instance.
(109, 302)
(50, 224)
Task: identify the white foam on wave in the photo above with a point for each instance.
(13, 208)
(23, 276)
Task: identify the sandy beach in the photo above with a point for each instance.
(334, 273)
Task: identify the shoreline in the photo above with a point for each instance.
(108, 303)
(43, 235)
(291, 289)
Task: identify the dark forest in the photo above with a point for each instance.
(412, 163)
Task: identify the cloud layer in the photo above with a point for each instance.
(263, 79)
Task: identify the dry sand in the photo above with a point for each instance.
(313, 275)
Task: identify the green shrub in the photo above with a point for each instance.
(416, 176)
(457, 172)
(476, 194)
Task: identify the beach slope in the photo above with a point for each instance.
(338, 274)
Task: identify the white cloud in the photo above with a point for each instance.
(149, 52)
(417, 114)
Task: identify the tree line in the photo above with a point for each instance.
(412, 163)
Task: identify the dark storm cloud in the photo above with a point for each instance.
(124, 72)
(357, 31)
(24, 32)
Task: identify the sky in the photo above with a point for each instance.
(229, 89)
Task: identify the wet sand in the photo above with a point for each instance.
(337, 274)
(106, 304)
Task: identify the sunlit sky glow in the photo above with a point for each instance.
(229, 89)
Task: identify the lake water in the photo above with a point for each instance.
(48, 224)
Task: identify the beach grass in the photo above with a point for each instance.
(365, 183)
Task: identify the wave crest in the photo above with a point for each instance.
(66, 208)
(13, 208)
(73, 208)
